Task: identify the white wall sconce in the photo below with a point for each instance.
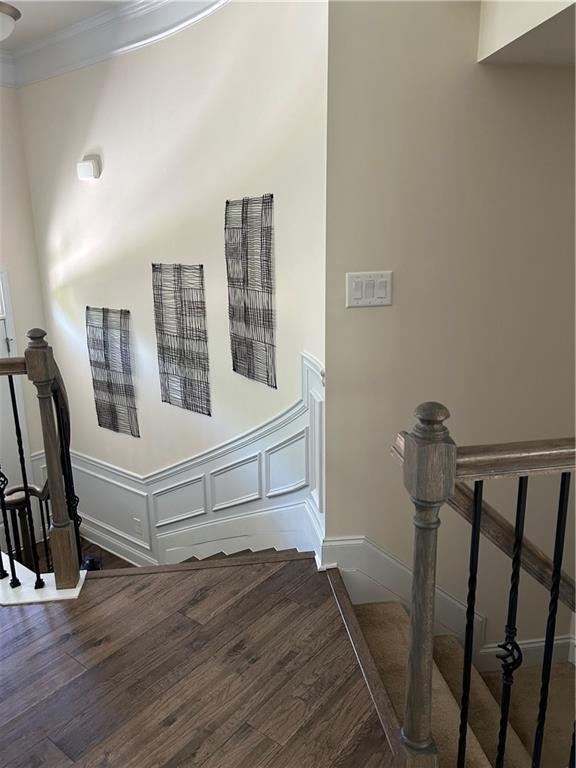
(89, 168)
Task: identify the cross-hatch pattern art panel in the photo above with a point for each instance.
(108, 337)
(182, 340)
(248, 245)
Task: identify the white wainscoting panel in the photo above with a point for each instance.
(236, 483)
(287, 465)
(180, 502)
(263, 489)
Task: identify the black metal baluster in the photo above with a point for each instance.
(470, 612)
(551, 623)
(572, 760)
(72, 500)
(511, 657)
(3, 571)
(14, 581)
(16, 535)
(39, 583)
(45, 529)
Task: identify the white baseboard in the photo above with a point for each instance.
(373, 575)
(263, 489)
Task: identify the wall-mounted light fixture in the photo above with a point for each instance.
(90, 167)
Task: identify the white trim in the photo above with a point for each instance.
(373, 575)
(25, 594)
(532, 653)
(114, 532)
(103, 36)
(270, 492)
(110, 542)
(115, 504)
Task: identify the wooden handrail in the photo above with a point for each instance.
(538, 457)
(486, 462)
(12, 366)
(501, 533)
(495, 526)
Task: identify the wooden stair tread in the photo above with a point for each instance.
(524, 707)
(386, 629)
(254, 559)
(243, 553)
(484, 713)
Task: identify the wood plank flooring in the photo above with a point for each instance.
(245, 666)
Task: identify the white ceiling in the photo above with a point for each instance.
(41, 18)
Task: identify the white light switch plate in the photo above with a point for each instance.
(368, 289)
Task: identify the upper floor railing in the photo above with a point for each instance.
(57, 495)
(437, 472)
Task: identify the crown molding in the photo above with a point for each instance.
(108, 34)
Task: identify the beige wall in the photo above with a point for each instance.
(17, 248)
(459, 178)
(502, 21)
(233, 106)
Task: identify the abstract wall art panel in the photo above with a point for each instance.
(108, 337)
(180, 316)
(248, 239)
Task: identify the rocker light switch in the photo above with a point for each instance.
(368, 289)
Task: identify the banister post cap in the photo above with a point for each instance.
(430, 426)
(37, 337)
(432, 412)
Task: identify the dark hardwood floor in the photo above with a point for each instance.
(244, 666)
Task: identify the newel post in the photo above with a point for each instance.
(41, 371)
(429, 476)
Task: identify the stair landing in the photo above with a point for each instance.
(238, 666)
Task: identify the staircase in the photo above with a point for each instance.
(386, 628)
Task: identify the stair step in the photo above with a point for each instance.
(524, 708)
(484, 713)
(243, 553)
(386, 629)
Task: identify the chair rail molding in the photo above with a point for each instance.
(264, 488)
(110, 33)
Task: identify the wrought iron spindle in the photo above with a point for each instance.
(45, 527)
(572, 760)
(511, 657)
(39, 583)
(16, 534)
(3, 571)
(72, 500)
(14, 580)
(551, 623)
(470, 612)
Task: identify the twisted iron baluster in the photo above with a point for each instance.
(14, 580)
(39, 583)
(551, 623)
(511, 657)
(45, 528)
(72, 500)
(3, 571)
(470, 612)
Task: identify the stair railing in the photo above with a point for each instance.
(58, 498)
(435, 473)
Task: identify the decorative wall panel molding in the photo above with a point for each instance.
(124, 28)
(248, 235)
(182, 340)
(253, 492)
(108, 338)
